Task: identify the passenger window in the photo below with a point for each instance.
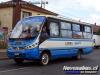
(65, 30)
(66, 33)
(76, 27)
(65, 25)
(54, 29)
(77, 31)
(77, 34)
(87, 35)
(87, 32)
(87, 29)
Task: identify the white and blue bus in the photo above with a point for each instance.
(44, 38)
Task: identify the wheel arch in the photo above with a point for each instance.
(81, 50)
(46, 51)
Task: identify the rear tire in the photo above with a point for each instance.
(18, 61)
(44, 59)
(79, 56)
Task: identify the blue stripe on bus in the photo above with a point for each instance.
(69, 52)
(67, 39)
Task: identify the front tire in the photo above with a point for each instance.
(18, 61)
(44, 59)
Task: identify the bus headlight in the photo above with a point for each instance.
(30, 47)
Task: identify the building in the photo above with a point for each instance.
(96, 28)
(12, 11)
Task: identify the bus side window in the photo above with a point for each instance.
(54, 29)
(87, 32)
(66, 30)
(77, 33)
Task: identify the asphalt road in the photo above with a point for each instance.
(8, 67)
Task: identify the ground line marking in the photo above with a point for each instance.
(11, 70)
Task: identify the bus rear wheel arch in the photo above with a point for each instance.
(79, 54)
(45, 58)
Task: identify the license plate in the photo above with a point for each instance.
(16, 54)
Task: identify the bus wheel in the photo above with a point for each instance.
(45, 58)
(18, 61)
(78, 57)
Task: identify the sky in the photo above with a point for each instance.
(83, 10)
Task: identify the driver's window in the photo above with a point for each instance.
(26, 33)
(35, 30)
(45, 33)
(54, 29)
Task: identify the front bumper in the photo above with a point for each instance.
(24, 54)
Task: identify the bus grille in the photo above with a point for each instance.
(18, 48)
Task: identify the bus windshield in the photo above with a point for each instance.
(28, 27)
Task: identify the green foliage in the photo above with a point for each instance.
(3, 45)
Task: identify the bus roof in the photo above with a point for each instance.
(70, 20)
(64, 19)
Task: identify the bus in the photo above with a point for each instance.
(45, 38)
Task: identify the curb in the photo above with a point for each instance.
(4, 58)
(3, 55)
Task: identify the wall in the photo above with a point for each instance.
(33, 12)
(6, 17)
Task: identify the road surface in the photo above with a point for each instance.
(8, 67)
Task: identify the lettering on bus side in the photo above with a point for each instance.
(68, 43)
(77, 43)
